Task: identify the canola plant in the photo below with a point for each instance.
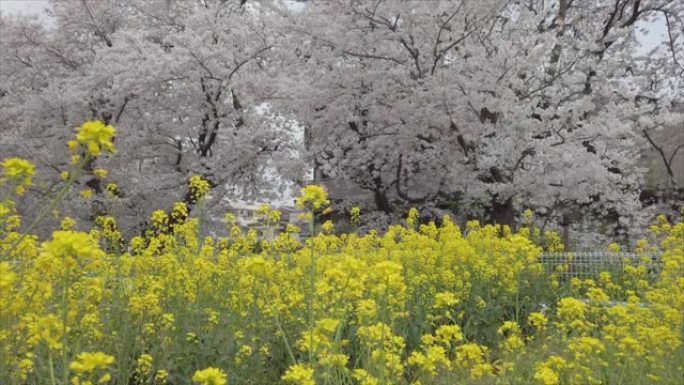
(420, 304)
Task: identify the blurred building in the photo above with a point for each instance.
(248, 218)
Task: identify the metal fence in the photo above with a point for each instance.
(586, 264)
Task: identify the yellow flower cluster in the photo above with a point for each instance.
(17, 172)
(113, 189)
(299, 375)
(87, 365)
(412, 218)
(420, 304)
(538, 321)
(312, 197)
(210, 376)
(355, 215)
(95, 137)
(144, 366)
(199, 187)
(89, 362)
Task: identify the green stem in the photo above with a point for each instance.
(385, 378)
(49, 208)
(622, 372)
(312, 288)
(65, 314)
(287, 344)
(51, 366)
(517, 302)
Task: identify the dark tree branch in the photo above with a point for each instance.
(528, 152)
(121, 109)
(659, 150)
(98, 31)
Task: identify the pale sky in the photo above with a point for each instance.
(657, 32)
(27, 7)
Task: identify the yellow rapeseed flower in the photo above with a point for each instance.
(144, 364)
(445, 300)
(160, 376)
(67, 223)
(412, 218)
(68, 248)
(47, 328)
(179, 211)
(95, 136)
(17, 170)
(86, 194)
(112, 189)
(312, 197)
(355, 215)
(25, 367)
(449, 333)
(100, 173)
(88, 362)
(199, 187)
(537, 321)
(327, 227)
(299, 374)
(210, 376)
(159, 219)
(546, 376)
(274, 216)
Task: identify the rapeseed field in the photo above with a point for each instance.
(419, 304)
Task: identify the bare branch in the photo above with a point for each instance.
(659, 150)
(98, 31)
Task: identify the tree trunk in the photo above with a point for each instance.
(503, 212)
(566, 221)
(381, 201)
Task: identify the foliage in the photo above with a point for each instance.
(420, 304)
(482, 108)
(184, 82)
(486, 107)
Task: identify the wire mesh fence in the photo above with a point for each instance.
(586, 264)
(581, 264)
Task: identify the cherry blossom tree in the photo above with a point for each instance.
(183, 82)
(490, 106)
(483, 108)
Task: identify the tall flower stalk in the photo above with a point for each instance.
(92, 138)
(313, 199)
